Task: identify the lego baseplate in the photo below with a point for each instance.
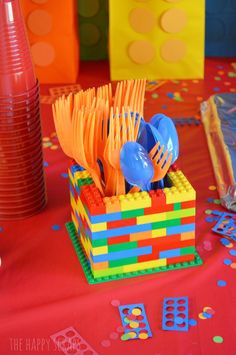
(91, 280)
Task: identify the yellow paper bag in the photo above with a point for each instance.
(156, 39)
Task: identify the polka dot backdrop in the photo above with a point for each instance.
(54, 43)
(155, 40)
(93, 29)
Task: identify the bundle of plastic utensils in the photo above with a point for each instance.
(22, 185)
(93, 127)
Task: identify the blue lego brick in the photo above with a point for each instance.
(220, 28)
(135, 322)
(226, 225)
(180, 229)
(169, 253)
(75, 168)
(115, 216)
(116, 255)
(122, 231)
(175, 314)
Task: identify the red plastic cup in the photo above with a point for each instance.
(18, 76)
(20, 107)
(22, 185)
(24, 95)
(18, 199)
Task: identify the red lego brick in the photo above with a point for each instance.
(188, 220)
(188, 204)
(92, 198)
(158, 203)
(122, 223)
(118, 240)
(173, 167)
(180, 259)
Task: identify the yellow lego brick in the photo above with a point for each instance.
(133, 201)
(156, 217)
(98, 227)
(112, 204)
(161, 232)
(144, 265)
(82, 211)
(72, 202)
(107, 272)
(187, 212)
(81, 175)
(100, 250)
(71, 177)
(187, 235)
(86, 246)
(74, 220)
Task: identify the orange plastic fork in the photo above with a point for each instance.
(160, 163)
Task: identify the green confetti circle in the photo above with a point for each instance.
(155, 96)
(208, 211)
(218, 339)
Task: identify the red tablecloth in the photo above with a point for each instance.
(43, 288)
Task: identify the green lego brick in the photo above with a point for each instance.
(125, 261)
(122, 246)
(167, 223)
(90, 278)
(187, 250)
(132, 213)
(177, 206)
(98, 242)
(82, 182)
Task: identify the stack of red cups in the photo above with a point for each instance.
(22, 182)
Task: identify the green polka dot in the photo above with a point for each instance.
(90, 34)
(218, 339)
(88, 8)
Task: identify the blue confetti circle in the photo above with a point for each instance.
(232, 252)
(210, 219)
(179, 320)
(225, 241)
(210, 199)
(45, 164)
(216, 89)
(1, 229)
(221, 283)
(192, 322)
(227, 261)
(207, 315)
(56, 227)
(64, 175)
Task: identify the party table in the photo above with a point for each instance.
(43, 287)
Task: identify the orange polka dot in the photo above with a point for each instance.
(173, 20)
(141, 52)
(39, 22)
(142, 20)
(173, 50)
(43, 54)
(40, 1)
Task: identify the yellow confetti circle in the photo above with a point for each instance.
(132, 335)
(233, 265)
(205, 309)
(136, 311)
(54, 147)
(143, 335)
(134, 324)
(212, 187)
(201, 316)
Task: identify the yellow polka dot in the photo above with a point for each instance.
(173, 50)
(39, 22)
(88, 8)
(141, 52)
(43, 53)
(136, 312)
(132, 335)
(90, 34)
(143, 335)
(212, 187)
(142, 20)
(173, 20)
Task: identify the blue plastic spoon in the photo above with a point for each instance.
(136, 165)
(167, 130)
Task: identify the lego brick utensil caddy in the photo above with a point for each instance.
(134, 234)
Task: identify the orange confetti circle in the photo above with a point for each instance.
(212, 187)
(143, 335)
(134, 325)
(233, 265)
